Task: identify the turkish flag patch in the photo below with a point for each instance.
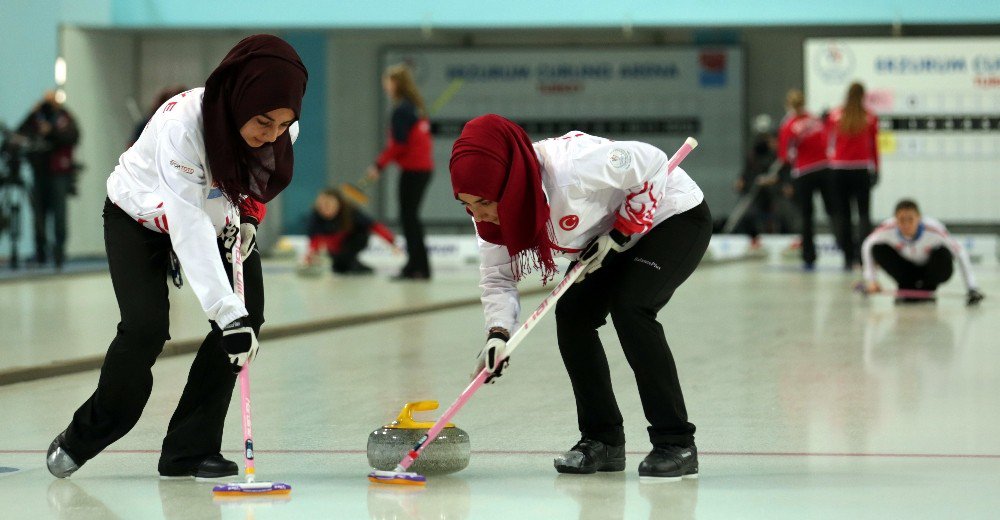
(569, 222)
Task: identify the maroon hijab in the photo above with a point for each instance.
(494, 159)
(260, 74)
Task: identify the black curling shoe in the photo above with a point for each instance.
(590, 456)
(214, 466)
(669, 464)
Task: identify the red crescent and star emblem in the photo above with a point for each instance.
(569, 222)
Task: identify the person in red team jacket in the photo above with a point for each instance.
(802, 145)
(409, 147)
(853, 152)
(341, 230)
(199, 174)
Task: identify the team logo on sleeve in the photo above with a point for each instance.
(619, 159)
(181, 168)
(569, 222)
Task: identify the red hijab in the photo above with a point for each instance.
(260, 74)
(493, 159)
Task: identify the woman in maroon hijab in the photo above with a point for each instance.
(642, 233)
(199, 173)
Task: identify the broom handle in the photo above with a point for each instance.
(239, 289)
(480, 379)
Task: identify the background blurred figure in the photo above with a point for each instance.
(854, 163)
(342, 230)
(53, 133)
(917, 252)
(802, 145)
(410, 147)
(158, 101)
(762, 212)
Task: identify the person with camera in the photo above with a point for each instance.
(50, 134)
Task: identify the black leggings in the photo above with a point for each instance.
(138, 260)
(412, 186)
(909, 275)
(856, 186)
(632, 288)
(805, 188)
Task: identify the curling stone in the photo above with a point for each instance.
(313, 270)
(448, 453)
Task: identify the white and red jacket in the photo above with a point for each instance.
(931, 234)
(802, 143)
(856, 151)
(163, 181)
(592, 185)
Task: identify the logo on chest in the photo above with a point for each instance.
(569, 222)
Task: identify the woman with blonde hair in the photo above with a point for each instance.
(853, 132)
(409, 147)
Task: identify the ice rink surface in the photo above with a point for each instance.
(810, 402)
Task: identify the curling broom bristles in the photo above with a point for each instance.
(234, 490)
(402, 478)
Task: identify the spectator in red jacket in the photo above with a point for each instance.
(853, 152)
(409, 147)
(342, 230)
(802, 145)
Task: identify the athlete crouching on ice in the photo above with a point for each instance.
(208, 156)
(917, 252)
(643, 232)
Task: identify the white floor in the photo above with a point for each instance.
(810, 402)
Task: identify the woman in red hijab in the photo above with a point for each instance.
(199, 173)
(642, 233)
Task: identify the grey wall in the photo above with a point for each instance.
(107, 67)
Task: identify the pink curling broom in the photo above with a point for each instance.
(250, 488)
(400, 475)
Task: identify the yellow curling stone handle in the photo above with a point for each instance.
(405, 420)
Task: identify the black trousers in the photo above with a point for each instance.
(632, 288)
(853, 188)
(139, 263)
(805, 188)
(50, 194)
(412, 186)
(346, 258)
(909, 275)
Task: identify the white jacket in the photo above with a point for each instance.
(592, 185)
(931, 235)
(163, 181)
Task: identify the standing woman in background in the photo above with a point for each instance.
(410, 147)
(200, 173)
(853, 154)
(802, 145)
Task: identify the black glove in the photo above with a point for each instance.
(240, 343)
(974, 297)
(248, 236)
(601, 249)
(489, 357)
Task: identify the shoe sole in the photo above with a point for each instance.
(609, 466)
(650, 479)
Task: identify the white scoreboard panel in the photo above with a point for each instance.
(659, 95)
(938, 101)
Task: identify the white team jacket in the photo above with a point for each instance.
(592, 185)
(932, 235)
(163, 181)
